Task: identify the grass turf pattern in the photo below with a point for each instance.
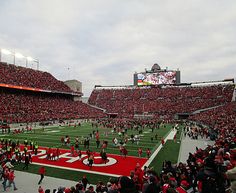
(50, 137)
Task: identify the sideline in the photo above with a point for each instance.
(181, 144)
(169, 136)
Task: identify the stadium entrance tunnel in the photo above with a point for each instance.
(182, 116)
(112, 115)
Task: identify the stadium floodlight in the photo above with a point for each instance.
(5, 51)
(19, 55)
(29, 58)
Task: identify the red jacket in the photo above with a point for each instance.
(181, 190)
(42, 170)
(11, 176)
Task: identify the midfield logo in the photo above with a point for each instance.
(71, 159)
(75, 162)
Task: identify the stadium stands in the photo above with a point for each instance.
(26, 106)
(221, 118)
(162, 102)
(21, 76)
(205, 170)
(20, 105)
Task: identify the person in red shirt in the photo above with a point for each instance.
(97, 135)
(58, 154)
(67, 190)
(40, 190)
(5, 177)
(72, 150)
(48, 152)
(68, 141)
(162, 141)
(140, 151)
(148, 152)
(42, 172)
(11, 177)
(104, 145)
(183, 186)
(124, 151)
(62, 140)
(166, 184)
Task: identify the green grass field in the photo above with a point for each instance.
(51, 137)
(169, 152)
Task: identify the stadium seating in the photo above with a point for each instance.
(21, 76)
(162, 102)
(23, 106)
(205, 170)
(221, 118)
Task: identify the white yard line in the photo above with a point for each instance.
(180, 149)
(79, 170)
(170, 136)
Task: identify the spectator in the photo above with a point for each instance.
(40, 189)
(153, 186)
(11, 179)
(42, 172)
(85, 182)
(90, 190)
(127, 185)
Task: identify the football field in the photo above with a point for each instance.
(74, 167)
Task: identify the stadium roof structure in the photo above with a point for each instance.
(203, 83)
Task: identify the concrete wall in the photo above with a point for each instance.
(74, 85)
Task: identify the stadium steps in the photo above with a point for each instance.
(189, 145)
(234, 94)
(104, 110)
(206, 109)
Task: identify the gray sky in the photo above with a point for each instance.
(105, 41)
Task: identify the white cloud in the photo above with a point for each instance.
(105, 42)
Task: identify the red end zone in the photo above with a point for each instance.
(116, 164)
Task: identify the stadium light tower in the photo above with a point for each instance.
(30, 59)
(6, 52)
(37, 62)
(18, 55)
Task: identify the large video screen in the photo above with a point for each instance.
(163, 77)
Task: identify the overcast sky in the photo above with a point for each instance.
(105, 41)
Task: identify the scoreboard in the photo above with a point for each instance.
(157, 78)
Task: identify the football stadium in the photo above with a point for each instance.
(117, 97)
(133, 130)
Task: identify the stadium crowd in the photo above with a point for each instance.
(26, 106)
(26, 77)
(221, 118)
(210, 170)
(162, 102)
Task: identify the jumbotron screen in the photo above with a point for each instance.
(163, 77)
